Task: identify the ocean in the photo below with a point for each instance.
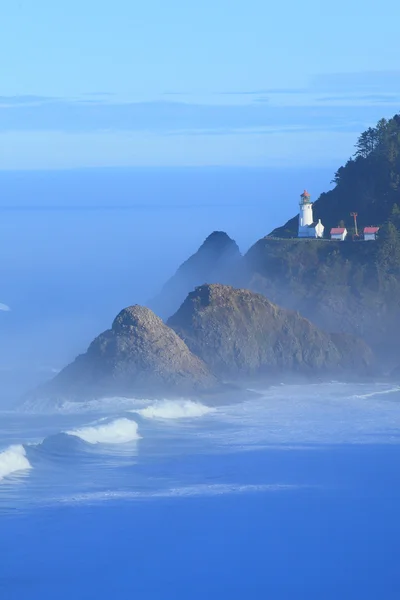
(294, 494)
(291, 494)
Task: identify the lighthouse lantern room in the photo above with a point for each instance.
(307, 227)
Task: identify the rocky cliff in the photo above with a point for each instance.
(349, 287)
(341, 287)
(238, 333)
(215, 262)
(138, 355)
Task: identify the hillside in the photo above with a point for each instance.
(343, 287)
(353, 288)
(369, 184)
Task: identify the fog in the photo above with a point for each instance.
(78, 246)
(292, 492)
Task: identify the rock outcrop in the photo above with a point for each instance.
(214, 262)
(138, 355)
(238, 334)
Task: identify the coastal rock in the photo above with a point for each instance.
(239, 334)
(138, 355)
(340, 287)
(214, 262)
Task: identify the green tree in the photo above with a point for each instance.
(367, 142)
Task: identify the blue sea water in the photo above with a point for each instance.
(290, 495)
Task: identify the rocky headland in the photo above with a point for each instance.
(288, 307)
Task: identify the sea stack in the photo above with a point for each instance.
(240, 334)
(139, 355)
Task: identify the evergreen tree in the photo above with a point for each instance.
(369, 182)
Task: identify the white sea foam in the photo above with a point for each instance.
(294, 415)
(13, 459)
(108, 405)
(180, 492)
(4, 307)
(120, 431)
(377, 393)
(174, 409)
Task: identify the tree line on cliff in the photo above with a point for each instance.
(368, 183)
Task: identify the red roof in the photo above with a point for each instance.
(371, 229)
(338, 230)
(306, 194)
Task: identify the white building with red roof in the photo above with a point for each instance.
(370, 233)
(308, 228)
(338, 233)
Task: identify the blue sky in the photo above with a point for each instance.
(176, 83)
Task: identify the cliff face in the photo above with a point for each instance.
(139, 354)
(341, 287)
(214, 262)
(238, 334)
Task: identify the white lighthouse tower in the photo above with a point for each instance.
(307, 227)
(306, 213)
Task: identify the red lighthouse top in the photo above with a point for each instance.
(305, 194)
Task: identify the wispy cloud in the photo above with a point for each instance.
(164, 117)
(340, 103)
(366, 85)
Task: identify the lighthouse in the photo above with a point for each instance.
(305, 216)
(307, 227)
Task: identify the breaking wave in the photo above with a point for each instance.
(13, 459)
(174, 409)
(120, 431)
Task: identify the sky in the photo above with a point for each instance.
(222, 82)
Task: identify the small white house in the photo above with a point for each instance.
(370, 233)
(338, 233)
(315, 230)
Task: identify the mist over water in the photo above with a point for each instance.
(78, 246)
(292, 494)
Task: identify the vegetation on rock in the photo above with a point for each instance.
(369, 184)
(349, 288)
(340, 286)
